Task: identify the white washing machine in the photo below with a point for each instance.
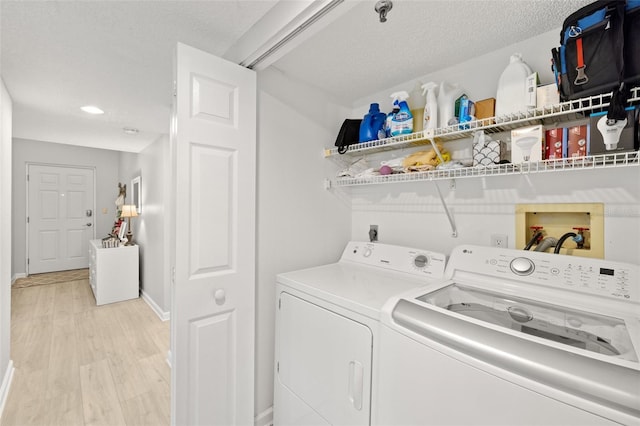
(327, 321)
(513, 337)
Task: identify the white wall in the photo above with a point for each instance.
(411, 214)
(152, 165)
(479, 76)
(299, 224)
(6, 369)
(105, 163)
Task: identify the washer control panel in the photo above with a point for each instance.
(397, 258)
(596, 276)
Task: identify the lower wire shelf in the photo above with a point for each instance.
(623, 159)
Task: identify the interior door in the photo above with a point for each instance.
(60, 217)
(214, 147)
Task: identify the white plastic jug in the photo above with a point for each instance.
(512, 87)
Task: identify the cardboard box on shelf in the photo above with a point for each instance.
(577, 141)
(628, 140)
(485, 108)
(527, 144)
(531, 84)
(547, 95)
(555, 143)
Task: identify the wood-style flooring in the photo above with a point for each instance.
(81, 364)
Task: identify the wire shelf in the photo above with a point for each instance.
(565, 111)
(623, 159)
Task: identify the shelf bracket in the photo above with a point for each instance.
(454, 231)
(429, 134)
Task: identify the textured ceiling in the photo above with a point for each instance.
(59, 55)
(356, 55)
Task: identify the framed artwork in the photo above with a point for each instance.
(136, 193)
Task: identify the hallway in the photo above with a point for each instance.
(81, 364)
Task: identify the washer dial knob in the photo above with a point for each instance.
(420, 261)
(522, 266)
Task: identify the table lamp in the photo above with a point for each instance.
(129, 211)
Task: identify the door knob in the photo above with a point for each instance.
(220, 296)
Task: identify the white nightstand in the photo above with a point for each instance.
(113, 272)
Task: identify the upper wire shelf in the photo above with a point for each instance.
(564, 111)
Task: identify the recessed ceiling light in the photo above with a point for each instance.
(92, 109)
(130, 131)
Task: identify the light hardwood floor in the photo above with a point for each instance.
(81, 364)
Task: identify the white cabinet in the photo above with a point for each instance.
(113, 272)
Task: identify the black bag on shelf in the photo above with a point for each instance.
(632, 43)
(590, 59)
(349, 134)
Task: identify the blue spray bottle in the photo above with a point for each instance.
(387, 124)
(402, 122)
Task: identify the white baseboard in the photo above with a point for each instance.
(5, 386)
(16, 276)
(164, 316)
(265, 418)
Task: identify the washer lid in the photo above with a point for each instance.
(359, 288)
(589, 331)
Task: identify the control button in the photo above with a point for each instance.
(522, 266)
(367, 252)
(493, 262)
(420, 261)
(555, 271)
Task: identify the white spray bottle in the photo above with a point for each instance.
(431, 106)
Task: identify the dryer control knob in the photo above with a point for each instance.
(367, 252)
(420, 261)
(522, 266)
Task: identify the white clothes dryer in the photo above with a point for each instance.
(513, 337)
(327, 321)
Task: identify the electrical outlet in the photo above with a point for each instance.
(373, 233)
(499, 240)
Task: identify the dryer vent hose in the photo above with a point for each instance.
(547, 243)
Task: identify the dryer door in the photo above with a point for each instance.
(323, 367)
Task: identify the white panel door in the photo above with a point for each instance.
(60, 217)
(214, 147)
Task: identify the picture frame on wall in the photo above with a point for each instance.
(136, 193)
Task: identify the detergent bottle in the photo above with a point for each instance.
(416, 105)
(402, 121)
(431, 106)
(372, 123)
(447, 103)
(511, 96)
